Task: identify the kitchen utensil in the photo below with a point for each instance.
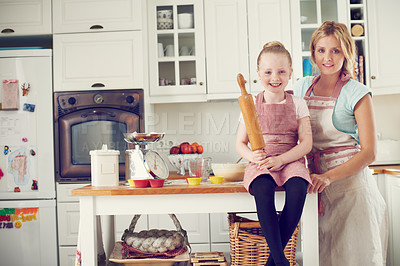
(184, 51)
(104, 167)
(200, 167)
(160, 50)
(216, 179)
(140, 183)
(156, 182)
(239, 160)
(230, 171)
(185, 20)
(193, 180)
(181, 161)
(142, 163)
(250, 116)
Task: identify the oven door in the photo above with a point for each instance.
(85, 130)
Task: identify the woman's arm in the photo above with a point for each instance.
(364, 115)
(300, 150)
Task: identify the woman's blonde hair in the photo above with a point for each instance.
(274, 47)
(342, 34)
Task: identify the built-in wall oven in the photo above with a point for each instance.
(85, 120)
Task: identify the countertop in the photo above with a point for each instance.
(386, 169)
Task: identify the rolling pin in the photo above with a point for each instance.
(250, 117)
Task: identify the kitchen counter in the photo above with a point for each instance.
(386, 169)
(178, 197)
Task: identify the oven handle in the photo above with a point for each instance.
(94, 112)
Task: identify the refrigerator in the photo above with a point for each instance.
(28, 231)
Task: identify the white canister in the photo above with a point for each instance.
(104, 167)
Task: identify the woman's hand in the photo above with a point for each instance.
(258, 156)
(320, 182)
(273, 163)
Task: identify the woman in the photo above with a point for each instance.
(353, 217)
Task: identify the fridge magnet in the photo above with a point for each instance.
(25, 87)
(6, 150)
(28, 107)
(18, 166)
(34, 185)
(33, 153)
(1, 173)
(10, 95)
(17, 189)
(18, 224)
(25, 139)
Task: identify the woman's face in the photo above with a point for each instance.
(328, 55)
(274, 72)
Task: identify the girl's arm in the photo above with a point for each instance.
(242, 147)
(300, 150)
(364, 115)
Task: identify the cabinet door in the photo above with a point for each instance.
(393, 202)
(268, 20)
(176, 51)
(196, 225)
(68, 223)
(102, 60)
(88, 15)
(384, 43)
(25, 17)
(226, 46)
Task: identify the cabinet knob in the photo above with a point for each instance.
(201, 83)
(373, 77)
(96, 27)
(7, 31)
(97, 85)
(255, 81)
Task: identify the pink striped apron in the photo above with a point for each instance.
(279, 126)
(353, 229)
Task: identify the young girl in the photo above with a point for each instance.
(285, 124)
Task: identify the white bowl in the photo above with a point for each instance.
(165, 24)
(185, 21)
(230, 171)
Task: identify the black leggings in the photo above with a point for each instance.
(263, 188)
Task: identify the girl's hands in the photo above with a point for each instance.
(272, 163)
(320, 182)
(258, 156)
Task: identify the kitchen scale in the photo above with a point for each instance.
(142, 163)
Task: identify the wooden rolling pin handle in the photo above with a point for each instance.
(242, 82)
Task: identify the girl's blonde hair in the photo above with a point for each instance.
(342, 34)
(274, 47)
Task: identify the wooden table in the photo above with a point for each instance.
(178, 197)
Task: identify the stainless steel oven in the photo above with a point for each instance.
(85, 120)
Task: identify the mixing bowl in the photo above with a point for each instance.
(230, 171)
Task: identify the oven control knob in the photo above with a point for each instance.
(130, 99)
(71, 100)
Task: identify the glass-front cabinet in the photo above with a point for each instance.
(176, 51)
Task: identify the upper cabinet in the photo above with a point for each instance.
(236, 31)
(102, 60)
(176, 51)
(25, 17)
(384, 43)
(93, 16)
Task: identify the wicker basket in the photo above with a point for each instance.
(248, 245)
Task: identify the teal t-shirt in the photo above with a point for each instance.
(343, 114)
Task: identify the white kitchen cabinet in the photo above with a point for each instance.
(384, 43)
(25, 17)
(73, 16)
(102, 60)
(393, 202)
(236, 31)
(176, 51)
(196, 225)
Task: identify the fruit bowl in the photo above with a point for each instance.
(181, 161)
(230, 171)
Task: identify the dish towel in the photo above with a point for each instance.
(101, 255)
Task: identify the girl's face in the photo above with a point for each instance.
(328, 55)
(274, 72)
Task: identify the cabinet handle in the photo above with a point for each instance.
(201, 83)
(7, 31)
(97, 85)
(96, 27)
(373, 77)
(255, 81)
